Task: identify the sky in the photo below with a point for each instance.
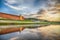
(17, 7)
(21, 6)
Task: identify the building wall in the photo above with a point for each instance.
(9, 16)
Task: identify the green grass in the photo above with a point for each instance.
(23, 23)
(15, 22)
(19, 22)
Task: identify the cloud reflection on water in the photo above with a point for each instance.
(50, 32)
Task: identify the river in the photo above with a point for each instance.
(48, 32)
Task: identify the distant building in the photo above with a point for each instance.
(12, 17)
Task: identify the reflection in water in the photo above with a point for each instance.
(50, 32)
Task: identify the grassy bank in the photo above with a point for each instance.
(19, 22)
(23, 23)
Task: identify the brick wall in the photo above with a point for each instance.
(9, 16)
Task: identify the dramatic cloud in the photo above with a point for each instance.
(25, 7)
(11, 1)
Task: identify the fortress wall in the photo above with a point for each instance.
(9, 16)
